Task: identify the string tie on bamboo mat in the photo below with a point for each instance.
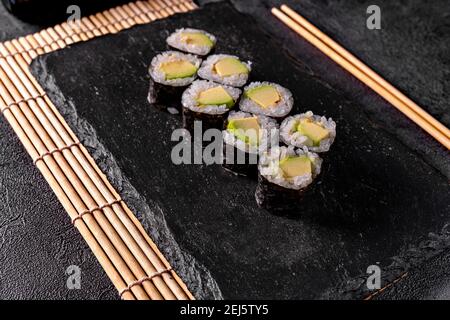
(100, 208)
(50, 153)
(142, 280)
(14, 54)
(51, 43)
(17, 103)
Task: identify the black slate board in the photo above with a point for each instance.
(229, 247)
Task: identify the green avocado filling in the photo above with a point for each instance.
(265, 95)
(296, 166)
(246, 129)
(315, 132)
(215, 96)
(196, 38)
(178, 69)
(230, 66)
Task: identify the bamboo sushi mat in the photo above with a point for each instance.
(129, 257)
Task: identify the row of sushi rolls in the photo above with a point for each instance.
(212, 87)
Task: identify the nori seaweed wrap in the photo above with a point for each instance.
(284, 175)
(207, 102)
(266, 98)
(190, 40)
(225, 69)
(170, 73)
(245, 136)
(308, 130)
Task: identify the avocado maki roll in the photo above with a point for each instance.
(284, 174)
(208, 102)
(308, 130)
(246, 136)
(192, 41)
(170, 73)
(267, 98)
(225, 69)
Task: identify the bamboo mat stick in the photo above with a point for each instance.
(147, 10)
(182, 7)
(88, 27)
(169, 10)
(364, 68)
(146, 6)
(119, 14)
(132, 8)
(30, 39)
(114, 15)
(159, 7)
(82, 228)
(97, 199)
(97, 25)
(439, 136)
(63, 35)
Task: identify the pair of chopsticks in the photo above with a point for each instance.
(362, 72)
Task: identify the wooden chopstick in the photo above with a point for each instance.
(364, 68)
(371, 79)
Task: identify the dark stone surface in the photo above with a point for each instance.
(415, 29)
(217, 238)
(429, 281)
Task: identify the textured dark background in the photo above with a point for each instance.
(37, 243)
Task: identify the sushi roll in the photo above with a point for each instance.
(246, 136)
(208, 102)
(267, 98)
(192, 41)
(170, 73)
(225, 69)
(284, 174)
(308, 130)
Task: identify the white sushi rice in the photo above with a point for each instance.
(269, 167)
(269, 133)
(175, 41)
(280, 109)
(190, 95)
(290, 135)
(169, 56)
(207, 71)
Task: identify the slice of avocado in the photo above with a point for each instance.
(296, 166)
(245, 129)
(215, 96)
(195, 38)
(313, 131)
(265, 95)
(230, 66)
(178, 69)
